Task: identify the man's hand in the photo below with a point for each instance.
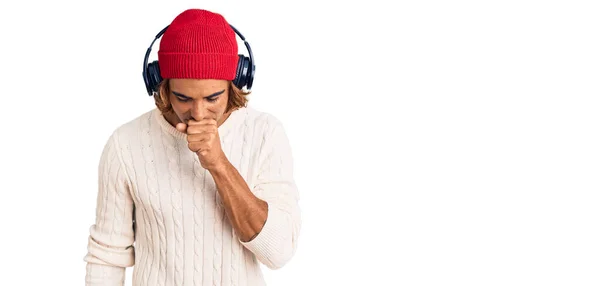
(203, 139)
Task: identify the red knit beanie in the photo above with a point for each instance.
(198, 44)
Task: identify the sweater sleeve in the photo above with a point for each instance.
(111, 237)
(277, 241)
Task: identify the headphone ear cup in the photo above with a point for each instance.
(250, 74)
(239, 76)
(154, 77)
(243, 70)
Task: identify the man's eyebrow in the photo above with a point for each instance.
(180, 94)
(185, 96)
(215, 94)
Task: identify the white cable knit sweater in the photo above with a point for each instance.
(159, 211)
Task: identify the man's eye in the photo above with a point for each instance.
(211, 99)
(183, 99)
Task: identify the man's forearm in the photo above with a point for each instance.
(246, 212)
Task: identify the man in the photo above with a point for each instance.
(200, 190)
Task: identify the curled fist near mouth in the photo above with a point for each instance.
(203, 139)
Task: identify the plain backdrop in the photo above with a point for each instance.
(435, 142)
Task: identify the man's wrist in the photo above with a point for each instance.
(220, 167)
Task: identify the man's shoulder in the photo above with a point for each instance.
(262, 120)
(131, 128)
(121, 136)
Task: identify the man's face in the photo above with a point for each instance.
(196, 99)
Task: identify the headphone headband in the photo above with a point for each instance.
(243, 78)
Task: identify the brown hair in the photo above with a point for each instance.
(237, 97)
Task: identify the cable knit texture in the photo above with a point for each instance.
(158, 209)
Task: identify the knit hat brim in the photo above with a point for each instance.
(198, 66)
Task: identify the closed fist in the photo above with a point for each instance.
(203, 139)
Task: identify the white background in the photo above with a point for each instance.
(435, 142)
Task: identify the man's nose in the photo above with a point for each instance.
(198, 111)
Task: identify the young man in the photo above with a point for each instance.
(200, 190)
